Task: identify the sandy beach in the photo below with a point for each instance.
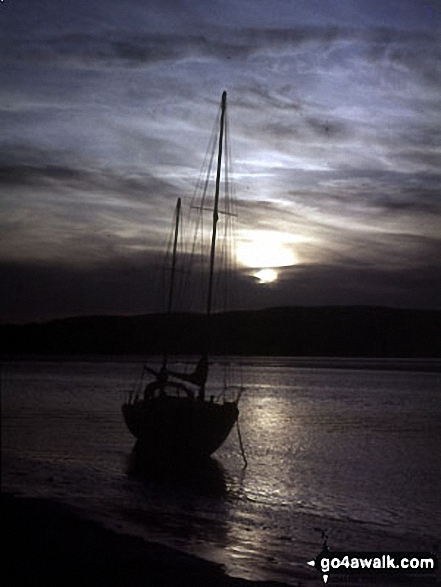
(50, 544)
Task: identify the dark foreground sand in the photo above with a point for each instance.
(48, 544)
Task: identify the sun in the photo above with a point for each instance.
(266, 250)
(266, 275)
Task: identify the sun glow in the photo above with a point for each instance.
(265, 249)
(266, 275)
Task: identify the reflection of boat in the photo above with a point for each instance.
(207, 478)
(174, 419)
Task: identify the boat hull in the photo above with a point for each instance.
(171, 427)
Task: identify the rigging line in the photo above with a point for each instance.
(205, 166)
(203, 260)
(229, 226)
(235, 297)
(222, 282)
(232, 226)
(159, 278)
(242, 450)
(165, 268)
(234, 237)
(227, 256)
(179, 268)
(196, 226)
(205, 171)
(223, 262)
(203, 199)
(216, 204)
(175, 248)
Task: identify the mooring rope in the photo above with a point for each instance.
(242, 450)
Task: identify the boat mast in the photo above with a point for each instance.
(173, 271)
(173, 266)
(203, 361)
(216, 203)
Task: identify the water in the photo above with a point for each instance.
(354, 451)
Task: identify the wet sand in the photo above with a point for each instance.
(49, 544)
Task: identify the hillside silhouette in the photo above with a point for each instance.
(355, 331)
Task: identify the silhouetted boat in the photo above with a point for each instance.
(174, 419)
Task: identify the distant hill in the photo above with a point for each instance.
(336, 331)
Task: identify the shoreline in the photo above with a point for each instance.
(49, 543)
(52, 543)
(391, 364)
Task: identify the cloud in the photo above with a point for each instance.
(12, 175)
(108, 181)
(123, 47)
(308, 127)
(345, 285)
(48, 290)
(347, 230)
(36, 291)
(418, 53)
(81, 216)
(335, 136)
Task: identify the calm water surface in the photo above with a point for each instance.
(352, 451)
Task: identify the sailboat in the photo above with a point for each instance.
(174, 419)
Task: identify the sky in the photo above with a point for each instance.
(106, 109)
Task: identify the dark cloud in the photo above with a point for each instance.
(426, 157)
(43, 291)
(423, 203)
(81, 216)
(127, 48)
(370, 192)
(256, 94)
(12, 175)
(110, 182)
(302, 127)
(124, 48)
(419, 53)
(339, 284)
